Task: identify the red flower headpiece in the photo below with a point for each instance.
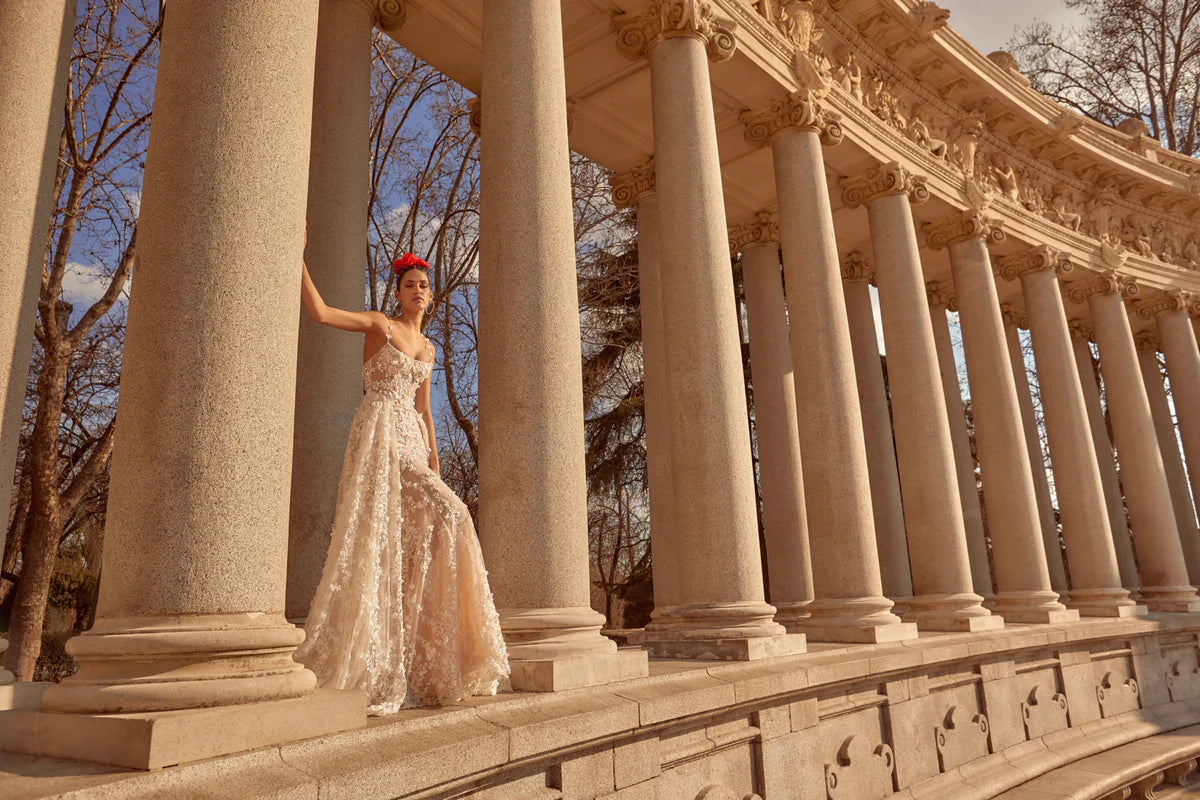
(407, 261)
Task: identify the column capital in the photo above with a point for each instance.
(1145, 341)
(638, 34)
(1080, 330)
(882, 180)
(969, 224)
(631, 186)
(1100, 283)
(858, 267)
(761, 231)
(475, 118)
(802, 111)
(1167, 301)
(941, 295)
(1013, 317)
(388, 15)
(1033, 259)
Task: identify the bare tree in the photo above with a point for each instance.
(1135, 59)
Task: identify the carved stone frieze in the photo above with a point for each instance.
(960, 227)
(962, 737)
(637, 34)
(801, 110)
(1043, 712)
(629, 186)
(762, 230)
(857, 266)
(1099, 283)
(940, 295)
(883, 180)
(860, 771)
(1165, 302)
(1032, 259)
(1117, 694)
(1183, 675)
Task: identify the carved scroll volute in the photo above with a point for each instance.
(960, 227)
(1117, 694)
(629, 186)
(857, 267)
(861, 772)
(1043, 712)
(1102, 283)
(1165, 302)
(940, 296)
(883, 180)
(763, 230)
(962, 737)
(637, 34)
(390, 15)
(801, 111)
(1034, 259)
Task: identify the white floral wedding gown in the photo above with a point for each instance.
(403, 610)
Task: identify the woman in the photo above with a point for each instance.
(403, 610)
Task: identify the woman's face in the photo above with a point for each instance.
(413, 291)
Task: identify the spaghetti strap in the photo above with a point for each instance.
(388, 333)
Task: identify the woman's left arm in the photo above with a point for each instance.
(426, 411)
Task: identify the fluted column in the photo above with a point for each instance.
(849, 604)
(1168, 448)
(1113, 499)
(1013, 321)
(1164, 577)
(1096, 588)
(35, 53)
(721, 612)
(943, 590)
(636, 188)
(857, 274)
(1023, 590)
(1177, 341)
(785, 523)
(328, 365)
(941, 300)
(190, 611)
(530, 388)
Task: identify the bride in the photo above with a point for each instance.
(403, 610)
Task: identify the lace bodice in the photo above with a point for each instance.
(394, 373)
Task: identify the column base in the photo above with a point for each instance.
(751, 648)
(720, 631)
(25, 694)
(959, 611)
(554, 649)
(560, 674)
(900, 605)
(155, 739)
(1034, 607)
(1105, 603)
(1172, 599)
(791, 614)
(855, 620)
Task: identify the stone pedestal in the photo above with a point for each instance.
(530, 389)
(329, 362)
(1165, 583)
(190, 607)
(35, 53)
(942, 586)
(940, 301)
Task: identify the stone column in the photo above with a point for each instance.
(329, 362)
(1113, 499)
(1014, 320)
(722, 611)
(849, 604)
(636, 188)
(532, 492)
(1165, 583)
(190, 612)
(1168, 448)
(1177, 341)
(1096, 588)
(779, 468)
(942, 585)
(1023, 590)
(35, 54)
(857, 274)
(941, 300)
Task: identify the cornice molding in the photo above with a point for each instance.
(638, 34)
(881, 181)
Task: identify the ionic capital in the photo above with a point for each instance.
(1013, 317)
(1079, 330)
(762, 230)
(1034, 259)
(638, 34)
(940, 296)
(969, 224)
(857, 267)
(801, 111)
(1165, 302)
(475, 117)
(883, 180)
(387, 15)
(1145, 341)
(631, 186)
(1102, 283)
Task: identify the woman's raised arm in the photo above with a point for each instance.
(354, 321)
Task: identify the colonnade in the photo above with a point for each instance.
(874, 528)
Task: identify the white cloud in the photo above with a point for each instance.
(84, 284)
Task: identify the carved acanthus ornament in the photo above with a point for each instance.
(629, 187)
(969, 224)
(941, 296)
(761, 231)
(858, 267)
(1145, 341)
(1034, 259)
(802, 111)
(1013, 317)
(1166, 302)
(883, 180)
(637, 34)
(1102, 283)
(1079, 330)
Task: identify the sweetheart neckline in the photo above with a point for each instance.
(391, 346)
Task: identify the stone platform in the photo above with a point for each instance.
(966, 716)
